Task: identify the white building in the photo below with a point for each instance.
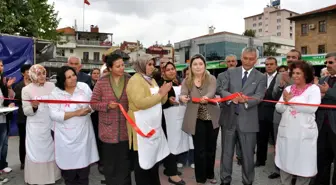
(89, 46)
(215, 46)
(272, 26)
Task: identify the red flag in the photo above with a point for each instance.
(86, 2)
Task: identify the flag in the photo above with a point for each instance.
(86, 2)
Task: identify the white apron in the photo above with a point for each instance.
(296, 145)
(154, 149)
(178, 140)
(39, 143)
(75, 143)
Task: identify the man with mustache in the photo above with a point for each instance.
(326, 122)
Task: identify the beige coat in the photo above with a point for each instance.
(190, 117)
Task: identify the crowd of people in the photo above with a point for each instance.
(136, 123)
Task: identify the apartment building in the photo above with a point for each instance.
(272, 22)
(315, 31)
(272, 26)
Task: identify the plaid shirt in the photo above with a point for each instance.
(112, 126)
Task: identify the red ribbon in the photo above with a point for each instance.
(196, 100)
(232, 96)
(128, 118)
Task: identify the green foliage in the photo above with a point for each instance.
(249, 33)
(31, 18)
(270, 49)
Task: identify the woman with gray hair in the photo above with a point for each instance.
(144, 100)
(40, 165)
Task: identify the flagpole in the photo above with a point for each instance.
(83, 14)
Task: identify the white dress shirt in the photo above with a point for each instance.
(248, 72)
(270, 78)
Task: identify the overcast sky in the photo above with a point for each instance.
(163, 20)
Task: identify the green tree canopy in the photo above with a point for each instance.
(249, 33)
(270, 49)
(31, 18)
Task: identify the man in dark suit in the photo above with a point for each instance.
(76, 63)
(265, 111)
(242, 116)
(326, 121)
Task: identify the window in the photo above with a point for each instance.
(278, 20)
(266, 25)
(96, 56)
(321, 49)
(260, 30)
(291, 15)
(322, 26)
(291, 35)
(260, 23)
(254, 25)
(254, 18)
(266, 18)
(304, 49)
(71, 50)
(202, 49)
(290, 22)
(259, 17)
(278, 13)
(290, 28)
(86, 56)
(278, 27)
(304, 29)
(278, 34)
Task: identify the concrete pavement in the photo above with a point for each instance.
(16, 177)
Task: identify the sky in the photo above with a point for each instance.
(161, 21)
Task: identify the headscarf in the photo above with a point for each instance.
(35, 72)
(140, 64)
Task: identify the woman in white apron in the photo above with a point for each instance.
(40, 166)
(145, 98)
(296, 150)
(172, 118)
(75, 143)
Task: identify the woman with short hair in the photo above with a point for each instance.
(75, 143)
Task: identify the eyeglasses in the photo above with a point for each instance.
(230, 61)
(328, 62)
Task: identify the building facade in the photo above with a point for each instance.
(89, 46)
(214, 46)
(315, 31)
(272, 22)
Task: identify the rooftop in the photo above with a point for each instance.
(71, 31)
(213, 34)
(66, 31)
(318, 11)
(272, 12)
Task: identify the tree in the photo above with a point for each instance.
(270, 49)
(249, 33)
(31, 18)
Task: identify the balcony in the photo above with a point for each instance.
(94, 43)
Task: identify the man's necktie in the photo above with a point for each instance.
(243, 82)
(244, 78)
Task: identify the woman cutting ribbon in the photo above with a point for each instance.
(178, 141)
(145, 99)
(75, 143)
(40, 166)
(109, 91)
(201, 119)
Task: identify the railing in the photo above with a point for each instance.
(94, 42)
